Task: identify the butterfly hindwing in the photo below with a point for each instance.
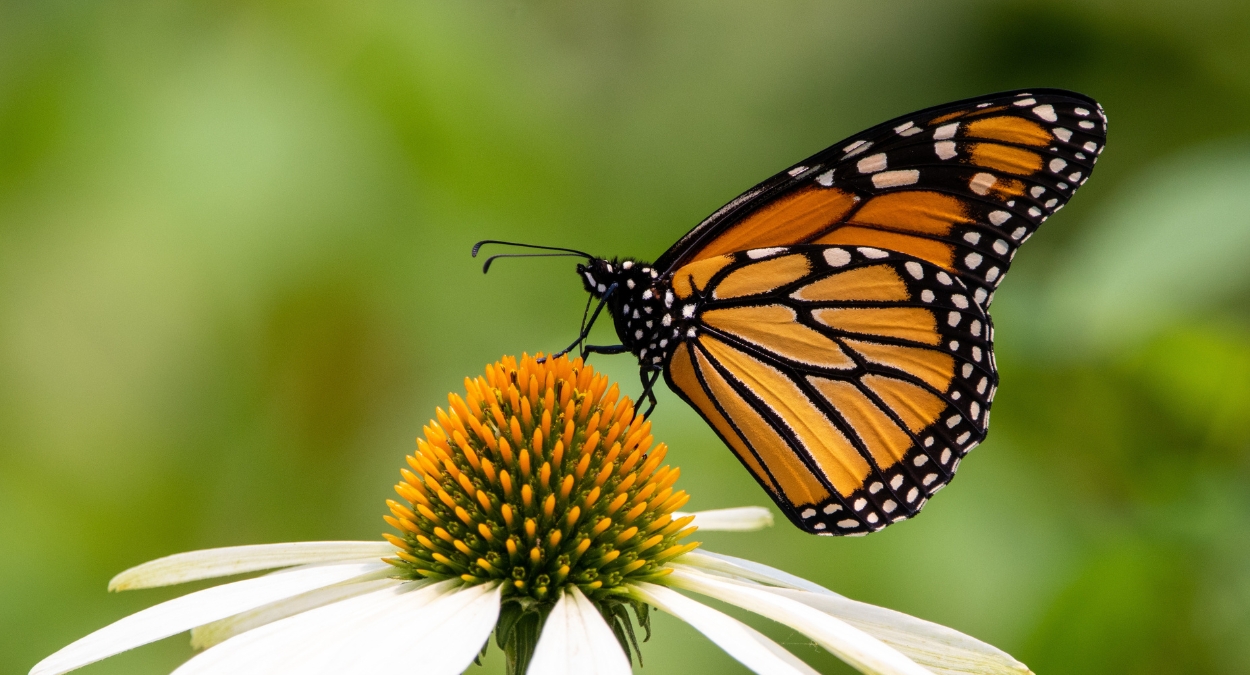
(849, 380)
(960, 186)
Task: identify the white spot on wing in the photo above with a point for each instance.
(982, 182)
(888, 179)
(1056, 165)
(837, 257)
(1046, 112)
(914, 269)
(999, 217)
(872, 163)
(972, 260)
(945, 149)
(874, 253)
(757, 253)
(945, 131)
(856, 148)
(826, 178)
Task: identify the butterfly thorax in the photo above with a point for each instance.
(641, 305)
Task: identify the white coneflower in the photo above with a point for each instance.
(536, 508)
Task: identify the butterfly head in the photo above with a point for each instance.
(630, 277)
(640, 302)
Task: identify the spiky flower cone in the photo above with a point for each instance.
(540, 476)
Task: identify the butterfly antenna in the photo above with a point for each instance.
(486, 265)
(478, 246)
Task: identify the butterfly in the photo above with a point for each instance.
(831, 323)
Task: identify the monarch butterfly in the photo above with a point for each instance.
(831, 323)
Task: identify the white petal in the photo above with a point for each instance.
(859, 649)
(751, 648)
(224, 562)
(719, 563)
(442, 626)
(446, 636)
(941, 649)
(196, 609)
(208, 635)
(577, 640)
(310, 635)
(739, 519)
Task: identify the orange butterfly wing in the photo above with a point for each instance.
(842, 346)
(849, 381)
(960, 185)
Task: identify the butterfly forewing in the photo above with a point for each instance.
(849, 380)
(960, 186)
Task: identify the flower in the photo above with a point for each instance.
(535, 509)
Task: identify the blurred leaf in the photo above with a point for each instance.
(1200, 374)
(1123, 613)
(1172, 244)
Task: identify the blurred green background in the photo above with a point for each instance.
(234, 283)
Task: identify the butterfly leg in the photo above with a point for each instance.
(587, 326)
(604, 349)
(649, 377)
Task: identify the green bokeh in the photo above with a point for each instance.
(234, 283)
